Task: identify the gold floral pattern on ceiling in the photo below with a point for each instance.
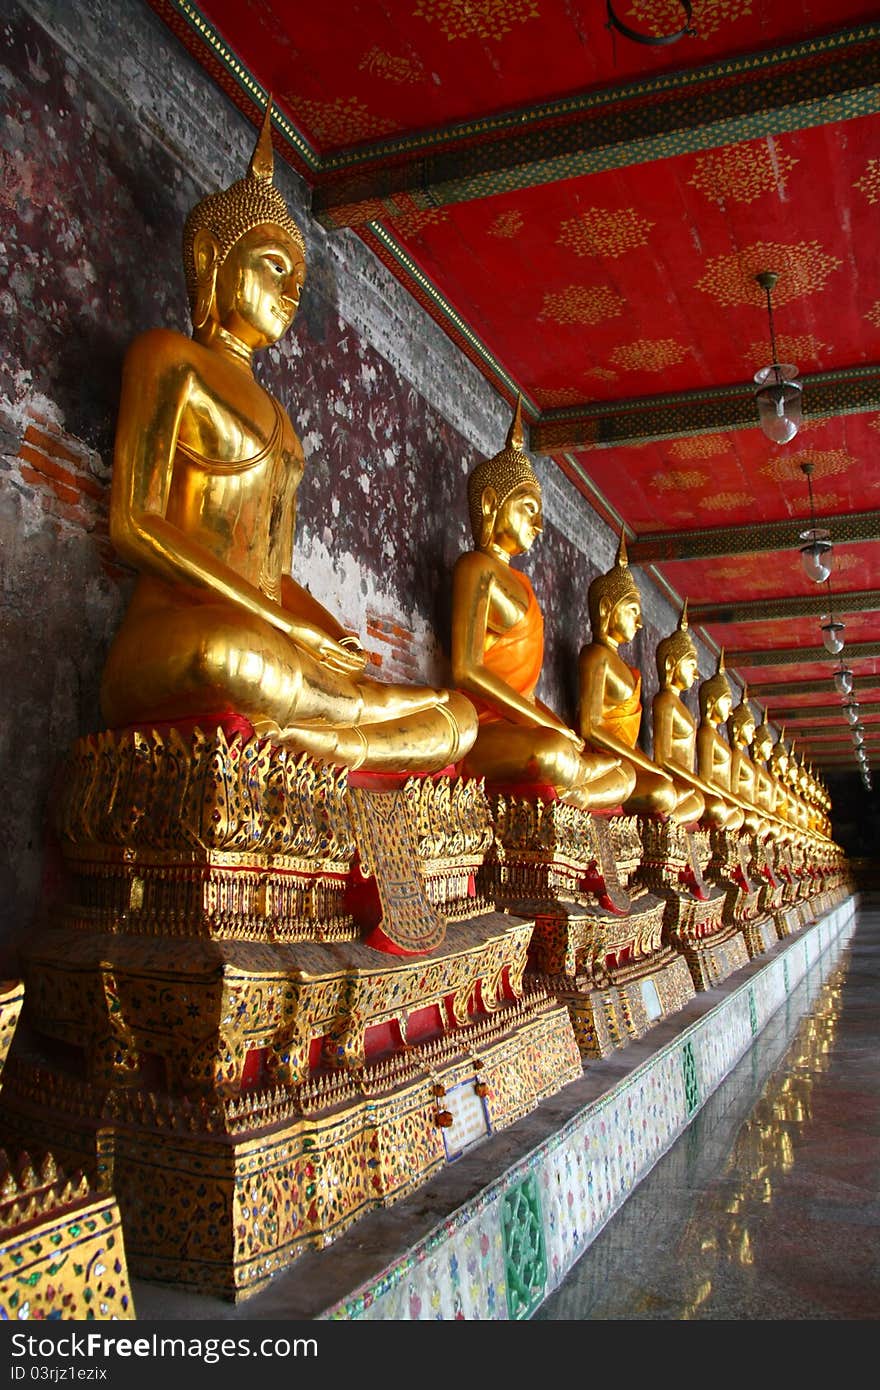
(700, 446)
(760, 578)
(803, 268)
(873, 314)
(826, 501)
(792, 347)
(508, 224)
(869, 183)
(602, 373)
(556, 397)
(786, 468)
(649, 354)
(476, 19)
(725, 501)
(662, 17)
(742, 173)
(410, 223)
(582, 304)
(604, 232)
(345, 121)
(679, 480)
(392, 68)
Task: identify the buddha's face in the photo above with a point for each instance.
(761, 745)
(624, 620)
(519, 520)
(258, 286)
(718, 710)
(744, 733)
(681, 673)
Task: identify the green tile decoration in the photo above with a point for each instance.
(525, 1259)
(691, 1081)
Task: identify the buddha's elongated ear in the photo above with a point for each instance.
(488, 513)
(206, 254)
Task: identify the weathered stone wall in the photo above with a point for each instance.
(109, 133)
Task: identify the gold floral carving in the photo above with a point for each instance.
(604, 232)
(826, 462)
(582, 304)
(679, 480)
(560, 396)
(797, 347)
(661, 17)
(508, 224)
(725, 501)
(742, 173)
(400, 70)
(803, 268)
(476, 19)
(649, 354)
(345, 121)
(700, 446)
(869, 183)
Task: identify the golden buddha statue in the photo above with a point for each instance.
(765, 785)
(777, 765)
(205, 475)
(743, 773)
(675, 730)
(713, 750)
(498, 646)
(609, 704)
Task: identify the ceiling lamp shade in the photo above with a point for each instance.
(817, 548)
(858, 735)
(851, 710)
(779, 396)
(832, 636)
(843, 679)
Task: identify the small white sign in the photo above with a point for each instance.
(651, 1000)
(470, 1121)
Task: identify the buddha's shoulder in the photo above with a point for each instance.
(163, 348)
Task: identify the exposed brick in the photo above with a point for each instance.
(47, 465)
(51, 444)
(40, 480)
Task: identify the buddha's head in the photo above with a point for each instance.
(504, 497)
(762, 740)
(677, 661)
(244, 255)
(614, 602)
(741, 725)
(779, 756)
(716, 700)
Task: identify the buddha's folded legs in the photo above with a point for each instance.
(188, 660)
(690, 804)
(653, 795)
(519, 755)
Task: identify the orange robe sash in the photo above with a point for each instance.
(517, 656)
(626, 718)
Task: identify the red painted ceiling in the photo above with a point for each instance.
(634, 281)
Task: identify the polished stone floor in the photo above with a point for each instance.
(769, 1206)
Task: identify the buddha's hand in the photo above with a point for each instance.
(346, 656)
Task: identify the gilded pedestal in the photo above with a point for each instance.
(598, 941)
(211, 1029)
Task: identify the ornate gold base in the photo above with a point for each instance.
(760, 934)
(219, 1196)
(615, 975)
(61, 1249)
(712, 959)
(788, 920)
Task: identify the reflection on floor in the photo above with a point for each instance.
(768, 1207)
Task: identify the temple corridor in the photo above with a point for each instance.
(768, 1207)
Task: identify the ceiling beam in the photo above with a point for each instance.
(615, 424)
(792, 87)
(792, 714)
(798, 656)
(718, 541)
(800, 606)
(766, 691)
